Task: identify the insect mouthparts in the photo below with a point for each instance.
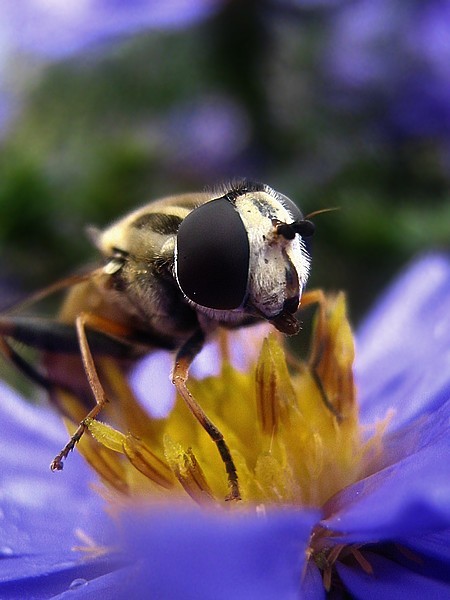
(286, 323)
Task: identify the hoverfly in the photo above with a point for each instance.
(173, 272)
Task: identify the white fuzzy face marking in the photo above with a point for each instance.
(278, 267)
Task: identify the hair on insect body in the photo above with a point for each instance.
(173, 273)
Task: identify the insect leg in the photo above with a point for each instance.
(49, 335)
(183, 360)
(317, 297)
(23, 365)
(58, 286)
(82, 321)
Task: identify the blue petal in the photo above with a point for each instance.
(406, 301)
(55, 30)
(312, 583)
(433, 552)
(424, 432)
(179, 554)
(51, 573)
(150, 381)
(103, 586)
(403, 347)
(41, 512)
(408, 498)
(390, 581)
(434, 546)
(31, 436)
(199, 556)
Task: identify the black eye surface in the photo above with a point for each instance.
(213, 256)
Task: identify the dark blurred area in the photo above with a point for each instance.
(335, 104)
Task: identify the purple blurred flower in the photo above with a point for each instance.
(210, 135)
(387, 535)
(306, 4)
(392, 57)
(52, 28)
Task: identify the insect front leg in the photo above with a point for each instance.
(180, 374)
(318, 348)
(82, 321)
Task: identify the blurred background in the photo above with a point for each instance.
(105, 104)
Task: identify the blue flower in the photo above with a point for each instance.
(42, 518)
(386, 534)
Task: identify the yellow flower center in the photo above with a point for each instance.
(293, 432)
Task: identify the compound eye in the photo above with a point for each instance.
(213, 256)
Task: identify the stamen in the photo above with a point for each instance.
(145, 461)
(106, 435)
(188, 471)
(363, 562)
(326, 556)
(111, 470)
(274, 390)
